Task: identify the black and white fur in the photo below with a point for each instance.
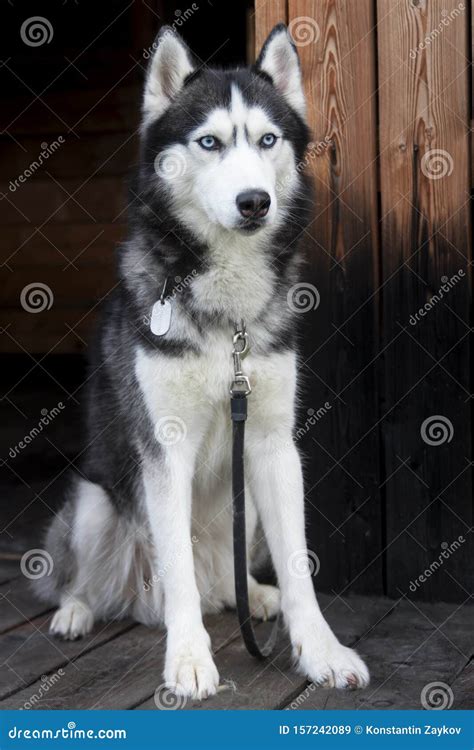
(147, 529)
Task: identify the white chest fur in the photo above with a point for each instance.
(240, 280)
(193, 386)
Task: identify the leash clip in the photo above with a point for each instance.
(240, 384)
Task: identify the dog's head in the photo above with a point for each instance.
(225, 146)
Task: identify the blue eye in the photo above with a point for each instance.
(268, 140)
(209, 143)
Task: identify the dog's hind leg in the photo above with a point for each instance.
(214, 556)
(89, 565)
(73, 619)
(213, 532)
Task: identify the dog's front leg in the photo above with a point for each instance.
(189, 666)
(277, 488)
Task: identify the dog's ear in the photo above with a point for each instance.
(170, 64)
(279, 60)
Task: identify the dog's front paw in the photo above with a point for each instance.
(190, 670)
(330, 664)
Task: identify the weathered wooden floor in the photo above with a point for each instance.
(408, 647)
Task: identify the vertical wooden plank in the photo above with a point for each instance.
(251, 50)
(267, 15)
(426, 234)
(472, 96)
(335, 41)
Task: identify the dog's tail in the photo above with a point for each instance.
(57, 557)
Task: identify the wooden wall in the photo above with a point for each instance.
(76, 100)
(390, 118)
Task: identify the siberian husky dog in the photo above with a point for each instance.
(218, 204)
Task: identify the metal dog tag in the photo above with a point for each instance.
(160, 318)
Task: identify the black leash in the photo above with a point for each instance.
(239, 391)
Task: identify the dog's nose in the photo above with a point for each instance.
(253, 204)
